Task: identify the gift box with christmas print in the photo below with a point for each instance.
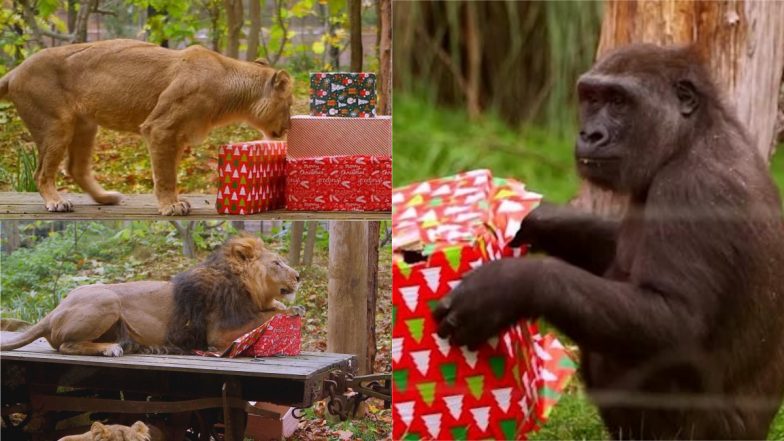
(346, 94)
(252, 177)
(322, 136)
(443, 229)
(280, 335)
(339, 183)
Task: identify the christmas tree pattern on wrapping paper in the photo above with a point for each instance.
(251, 177)
(498, 392)
(343, 94)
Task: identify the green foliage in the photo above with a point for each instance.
(432, 142)
(24, 179)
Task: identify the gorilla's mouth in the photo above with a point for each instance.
(286, 291)
(594, 162)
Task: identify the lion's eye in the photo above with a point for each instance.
(277, 262)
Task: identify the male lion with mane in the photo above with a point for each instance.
(171, 97)
(235, 290)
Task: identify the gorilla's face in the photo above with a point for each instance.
(631, 121)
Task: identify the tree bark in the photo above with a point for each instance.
(185, 231)
(10, 230)
(385, 57)
(254, 11)
(71, 16)
(83, 19)
(373, 231)
(347, 291)
(742, 42)
(310, 243)
(355, 23)
(295, 242)
(234, 21)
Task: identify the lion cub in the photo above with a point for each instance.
(173, 98)
(115, 432)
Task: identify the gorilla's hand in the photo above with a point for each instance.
(534, 224)
(487, 300)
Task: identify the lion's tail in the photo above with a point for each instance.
(29, 335)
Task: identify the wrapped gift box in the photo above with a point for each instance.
(443, 229)
(321, 136)
(252, 177)
(347, 94)
(280, 335)
(339, 183)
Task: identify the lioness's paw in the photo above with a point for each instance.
(59, 206)
(179, 208)
(296, 310)
(113, 351)
(109, 198)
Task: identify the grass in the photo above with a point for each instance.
(431, 142)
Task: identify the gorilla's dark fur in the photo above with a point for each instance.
(678, 308)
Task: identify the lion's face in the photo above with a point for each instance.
(265, 274)
(273, 110)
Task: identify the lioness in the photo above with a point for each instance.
(114, 432)
(235, 290)
(172, 97)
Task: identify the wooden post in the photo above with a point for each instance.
(373, 231)
(742, 42)
(347, 291)
(295, 242)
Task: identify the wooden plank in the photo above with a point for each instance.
(144, 206)
(304, 366)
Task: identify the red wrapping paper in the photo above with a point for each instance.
(252, 177)
(339, 183)
(505, 389)
(325, 136)
(280, 335)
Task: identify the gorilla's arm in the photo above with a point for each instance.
(598, 314)
(582, 239)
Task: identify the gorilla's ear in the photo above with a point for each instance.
(687, 96)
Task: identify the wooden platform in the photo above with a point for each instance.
(144, 206)
(293, 380)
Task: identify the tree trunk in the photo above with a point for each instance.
(295, 242)
(83, 19)
(385, 57)
(10, 230)
(355, 23)
(742, 42)
(474, 55)
(373, 231)
(254, 11)
(310, 243)
(347, 291)
(185, 231)
(71, 16)
(234, 18)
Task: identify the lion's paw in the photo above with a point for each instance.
(296, 310)
(113, 351)
(179, 208)
(61, 205)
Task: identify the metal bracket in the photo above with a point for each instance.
(346, 390)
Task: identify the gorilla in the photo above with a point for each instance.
(678, 307)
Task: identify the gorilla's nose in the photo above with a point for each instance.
(594, 137)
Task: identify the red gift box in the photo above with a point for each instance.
(280, 335)
(252, 177)
(443, 229)
(339, 183)
(325, 136)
